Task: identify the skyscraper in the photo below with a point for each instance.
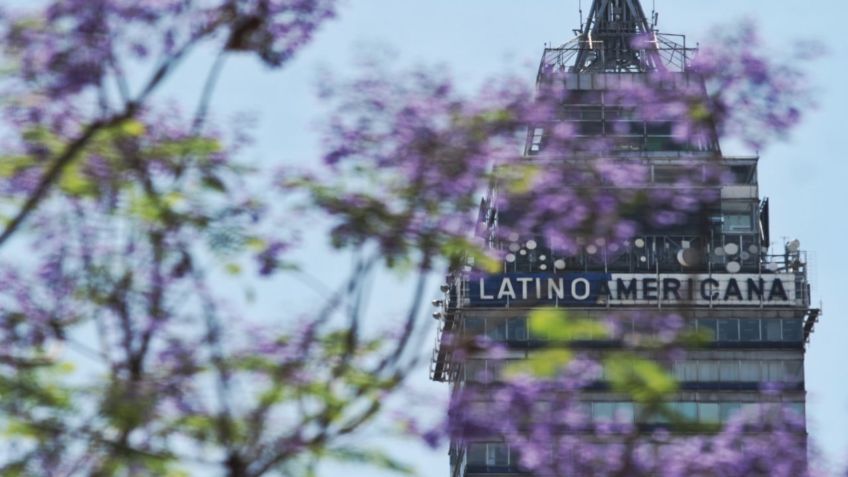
(716, 267)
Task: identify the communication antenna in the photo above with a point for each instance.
(654, 15)
(580, 6)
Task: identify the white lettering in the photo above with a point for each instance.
(483, 295)
(555, 286)
(524, 282)
(506, 289)
(586, 289)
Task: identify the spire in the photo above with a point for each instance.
(617, 37)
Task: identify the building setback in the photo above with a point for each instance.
(717, 270)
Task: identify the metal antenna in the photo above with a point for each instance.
(580, 6)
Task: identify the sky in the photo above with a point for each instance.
(804, 175)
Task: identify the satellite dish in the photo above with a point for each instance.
(733, 267)
(513, 237)
(719, 252)
(522, 252)
(510, 257)
(643, 259)
(514, 247)
(543, 267)
(731, 249)
(560, 264)
(531, 244)
(753, 249)
(688, 257)
(745, 255)
(794, 246)
(772, 266)
(639, 243)
(613, 247)
(543, 257)
(591, 249)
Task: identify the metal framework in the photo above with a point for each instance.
(617, 37)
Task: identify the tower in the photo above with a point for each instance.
(716, 267)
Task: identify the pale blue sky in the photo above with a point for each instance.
(804, 176)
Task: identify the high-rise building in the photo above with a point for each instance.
(717, 268)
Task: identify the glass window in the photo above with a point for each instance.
(794, 371)
(496, 329)
(690, 369)
(792, 331)
(603, 411)
(772, 330)
(776, 371)
(687, 410)
(708, 412)
(796, 407)
(749, 330)
(749, 371)
(517, 329)
(708, 329)
(679, 370)
(728, 330)
(474, 326)
(728, 409)
(624, 412)
(737, 222)
(494, 369)
(708, 371)
(475, 370)
(729, 371)
(497, 455)
(477, 454)
(752, 411)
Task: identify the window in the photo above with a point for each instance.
(728, 330)
(477, 454)
(776, 371)
(772, 330)
(708, 329)
(737, 222)
(728, 409)
(474, 326)
(792, 331)
(794, 371)
(749, 330)
(729, 371)
(625, 412)
(496, 329)
(475, 370)
(516, 329)
(796, 407)
(497, 455)
(603, 411)
(708, 371)
(665, 175)
(687, 410)
(749, 371)
(708, 413)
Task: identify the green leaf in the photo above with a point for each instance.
(642, 379)
(558, 325)
(544, 364)
(132, 128)
(74, 181)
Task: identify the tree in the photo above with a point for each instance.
(124, 205)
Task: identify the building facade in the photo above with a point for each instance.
(717, 268)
